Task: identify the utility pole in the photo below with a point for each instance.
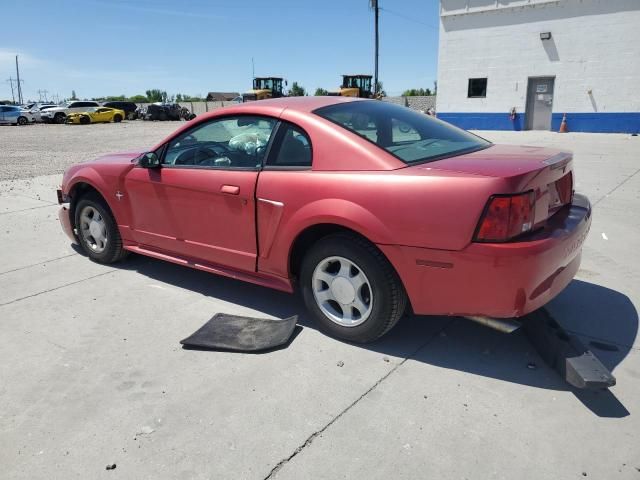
(13, 95)
(41, 93)
(19, 87)
(376, 12)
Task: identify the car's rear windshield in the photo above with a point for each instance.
(411, 136)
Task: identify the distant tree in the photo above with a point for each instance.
(321, 92)
(435, 87)
(138, 99)
(115, 98)
(417, 92)
(156, 95)
(73, 95)
(179, 97)
(296, 90)
(380, 89)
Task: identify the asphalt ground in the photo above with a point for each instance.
(92, 374)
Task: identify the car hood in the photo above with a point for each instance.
(498, 161)
(118, 158)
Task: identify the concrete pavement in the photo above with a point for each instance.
(91, 371)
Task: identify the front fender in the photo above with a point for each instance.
(89, 176)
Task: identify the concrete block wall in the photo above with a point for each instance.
(417, 103)
(593, 54)
(422, 103)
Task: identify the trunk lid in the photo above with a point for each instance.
(548, 172)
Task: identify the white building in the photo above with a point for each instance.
(543, 58)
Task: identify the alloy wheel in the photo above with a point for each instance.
(342, 291)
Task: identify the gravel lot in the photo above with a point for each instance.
(40, 149)
(92, 374)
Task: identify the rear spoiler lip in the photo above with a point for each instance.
(559, 160)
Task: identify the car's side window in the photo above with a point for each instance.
(230, 142)
(295, 149)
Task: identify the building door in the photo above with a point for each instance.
(539, 103)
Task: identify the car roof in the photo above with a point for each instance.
(299, 104)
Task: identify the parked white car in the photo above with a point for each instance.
(15, 115)
(37, 110)
(59, 114)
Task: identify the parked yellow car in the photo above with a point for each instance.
(97, 115)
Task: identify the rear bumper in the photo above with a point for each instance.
(496, 280)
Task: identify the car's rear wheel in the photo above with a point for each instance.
(85, 120)
(97, 230)
(117, 118)
(22, 120)
(351, 289)
(59, 118)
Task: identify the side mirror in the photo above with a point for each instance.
(149, 160)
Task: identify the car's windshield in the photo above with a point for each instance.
(411, 136)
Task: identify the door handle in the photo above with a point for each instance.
(230, 189)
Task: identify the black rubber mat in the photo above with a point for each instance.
(245, 334)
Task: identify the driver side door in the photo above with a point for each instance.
(199, 205)
(101, 115)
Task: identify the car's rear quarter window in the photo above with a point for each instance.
(411, 136)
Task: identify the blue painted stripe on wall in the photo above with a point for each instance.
(610, 122)
(613, 122)
(483, 121)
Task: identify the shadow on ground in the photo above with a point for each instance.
(597, 314)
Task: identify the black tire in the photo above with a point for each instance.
(117, 118)
(389, 300)
(59, 118)
(85, 120)
(22, 120)
(113, 251)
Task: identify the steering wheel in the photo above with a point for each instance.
(196, 156)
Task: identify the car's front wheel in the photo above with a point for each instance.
(117, 118)
(97, 230)
(22, 120)
(59, 118)
(351, 289)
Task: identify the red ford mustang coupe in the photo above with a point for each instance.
(368, 208)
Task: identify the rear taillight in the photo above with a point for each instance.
(564, 187)
(505, 217)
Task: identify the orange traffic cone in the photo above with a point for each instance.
(563, 124)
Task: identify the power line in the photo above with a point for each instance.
(398, 14)
(15, 89)
(13, 96)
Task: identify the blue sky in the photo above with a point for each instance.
(113, 47)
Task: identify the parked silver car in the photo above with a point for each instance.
(14, 115)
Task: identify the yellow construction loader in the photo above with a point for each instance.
(264, 87)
